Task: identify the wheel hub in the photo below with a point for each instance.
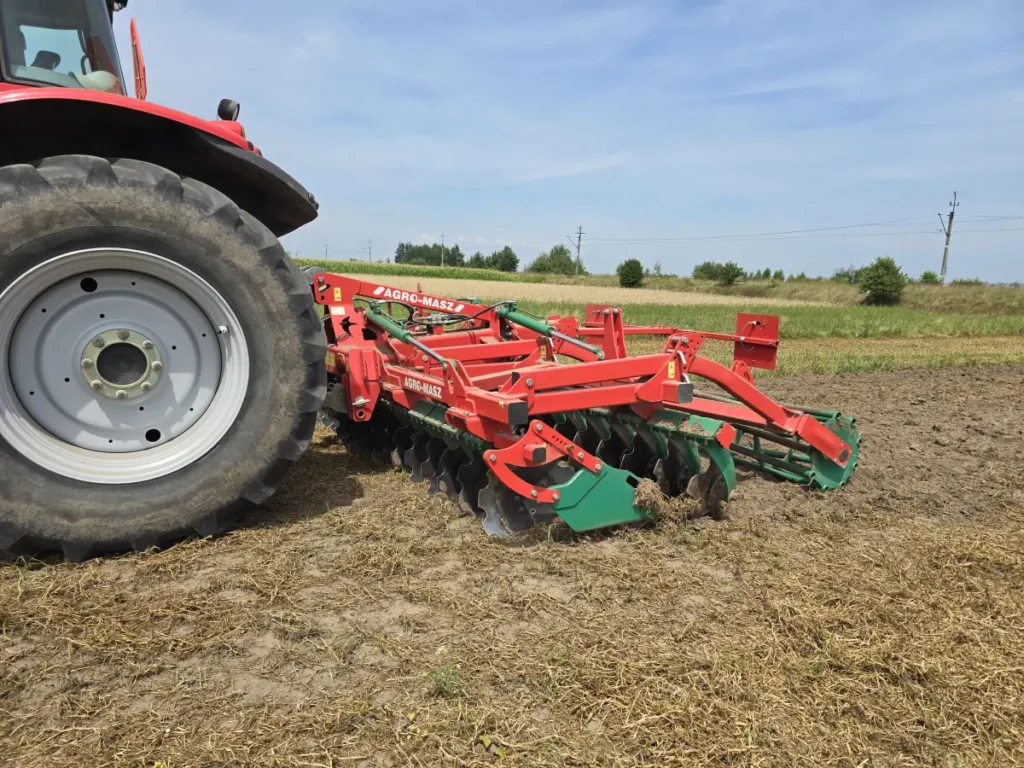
(117, 366)
(121, 365)
(86, 361)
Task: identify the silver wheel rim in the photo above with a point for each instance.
(118, 366)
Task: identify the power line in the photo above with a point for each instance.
(845, 235)
(759, 234)
(999, 229)
(772, 238)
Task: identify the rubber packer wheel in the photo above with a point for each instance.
(161, 358)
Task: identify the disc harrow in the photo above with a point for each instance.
(521, 419)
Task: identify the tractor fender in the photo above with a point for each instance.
(45, 122)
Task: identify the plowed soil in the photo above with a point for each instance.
(356, 621)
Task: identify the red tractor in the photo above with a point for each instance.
(161, 358)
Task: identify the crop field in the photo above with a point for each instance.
(355, 620)
(376, 269)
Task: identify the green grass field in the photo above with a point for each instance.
(973, 299)
(810, 322)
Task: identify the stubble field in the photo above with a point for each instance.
(355, 620)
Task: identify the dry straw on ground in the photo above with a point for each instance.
(358, 622)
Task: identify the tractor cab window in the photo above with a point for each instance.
(68, 43)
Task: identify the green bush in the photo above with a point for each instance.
(967, 281)
(557, 261)
(882, 282)
(730, 273)
(707, 270)
(929, 277)
(851, 275)
(631, 273)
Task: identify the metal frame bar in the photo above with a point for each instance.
(496, 375)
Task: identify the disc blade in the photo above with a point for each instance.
(416, 455)
(328, 419)
(710, 489)
(447, 478)
(470, 479)
(432, 464)
(612, 449)
(504, 511)
(639, 458)
(554, 474)
(401, 442)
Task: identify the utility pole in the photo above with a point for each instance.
(442, 249)
(948, 229)
(579, 239)
(369, 250)
(325, 250)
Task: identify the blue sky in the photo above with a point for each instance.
(514, 122)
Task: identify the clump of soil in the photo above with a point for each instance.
(650, 498)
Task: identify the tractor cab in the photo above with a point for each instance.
(60, 43)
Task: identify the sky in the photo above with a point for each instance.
(665, 128)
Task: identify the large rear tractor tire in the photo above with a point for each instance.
(161, 358)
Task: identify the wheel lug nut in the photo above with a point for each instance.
(123, 335)
(121, 394)
(158, 366)
(146, 387)
(97, 342)
(87, 363)
(96, 384)
(147, 344)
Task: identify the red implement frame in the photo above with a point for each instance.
(494, 375)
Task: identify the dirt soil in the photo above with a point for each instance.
(358, 622)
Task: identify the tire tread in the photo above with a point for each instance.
(74, 170)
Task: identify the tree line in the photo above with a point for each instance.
(430, 255)
(557, 260)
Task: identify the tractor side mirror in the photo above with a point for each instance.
(228, 110)
(138, 64)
